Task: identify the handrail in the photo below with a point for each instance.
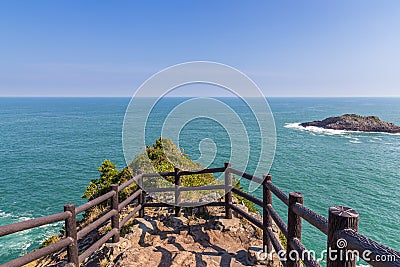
(277, 192)
(94, 202)
(332, 227)
(129, 182)
(211, 170)
(33, 223)
(370, 250)
(278, 220)
(97, 245)
(320, 222)
(156, 174)
(82, 233)
(202, 187)
(248, 196)
(247, 176)
(129, 199)
(301, 250)
(37, 254)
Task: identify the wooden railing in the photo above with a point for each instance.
(341, 224)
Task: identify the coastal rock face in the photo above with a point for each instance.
(354, 122)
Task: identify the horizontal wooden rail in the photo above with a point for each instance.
(95, 224)
(277, 219)
(211, 170)
(279, 249)
(159, 189)
(200, 204)
(248, 217)
(183, 204)
(320, 222)
(129, 199)
(200, 188)
(130, 215)
(97, 244)
(277, 192)
(94, 202)
(303, 253)
(158, 205)
(248, 196)
(37, 254)
(373, 250)
(157, 174)
(183, 188)
(129, 182)
(32, 223)
(246, 175)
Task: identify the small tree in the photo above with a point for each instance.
(109, 174)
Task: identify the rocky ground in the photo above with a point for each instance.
(200, 237)
(160, 239)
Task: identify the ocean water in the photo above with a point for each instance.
(50, 149)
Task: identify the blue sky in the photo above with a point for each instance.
(289, 48)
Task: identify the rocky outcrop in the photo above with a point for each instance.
(354, 122)
(206, 239)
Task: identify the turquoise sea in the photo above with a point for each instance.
(50, 149)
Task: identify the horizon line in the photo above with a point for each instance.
(105, 96)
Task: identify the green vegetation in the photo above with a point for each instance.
(283, 240)
(164, 156)
(109, 174)
(250, 205)
(50, 240)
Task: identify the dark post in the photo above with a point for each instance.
(294, 230)
(228, 191)
(177, 192)
(267, 220)
(71, 232)
(340, 218)
(141, 199)
(115, 217)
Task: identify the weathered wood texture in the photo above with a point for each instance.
(228, 191)
(267, 220)
(294, 230)
(340, 218)
(72, 234)
(178, 198)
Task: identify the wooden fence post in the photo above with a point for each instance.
(141, 199)
(115, 217)
(177, 192)
(340, 218)
(267, 220)
(71, 232)
(294, 230)
(228, 191)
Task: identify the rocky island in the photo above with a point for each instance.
(354, 122)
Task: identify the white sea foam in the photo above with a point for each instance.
(4, 214)
(314, 129)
